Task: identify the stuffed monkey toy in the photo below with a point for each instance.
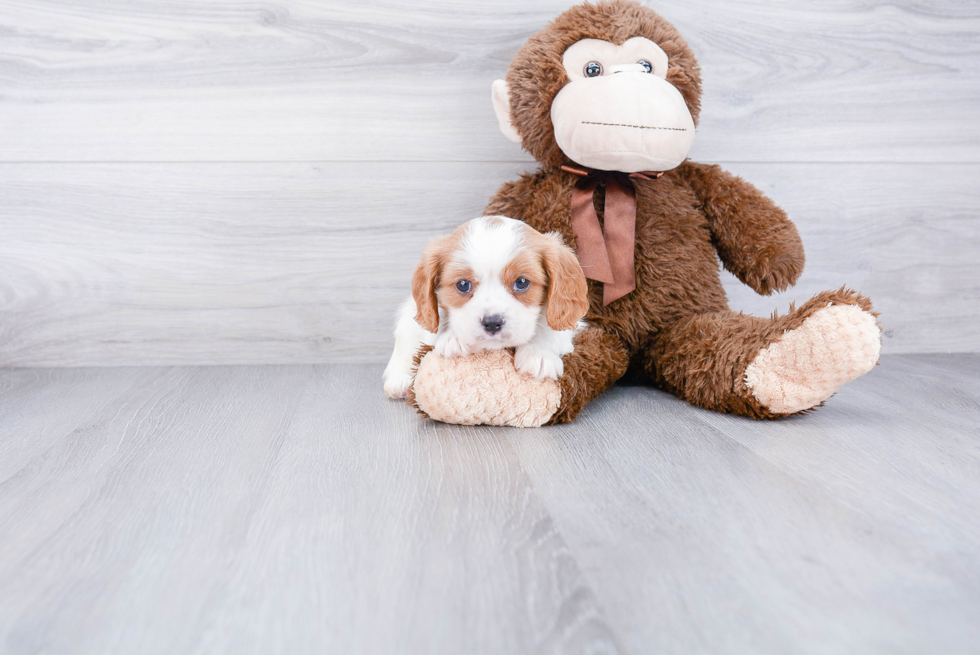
(606, 98)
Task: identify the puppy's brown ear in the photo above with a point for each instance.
(568, 293)
(424, 284)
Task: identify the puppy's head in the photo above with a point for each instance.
(496, 280)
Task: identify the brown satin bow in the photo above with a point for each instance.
(606, 255)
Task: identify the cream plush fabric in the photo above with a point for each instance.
(486, 389)
(599, 124)
(809, 364)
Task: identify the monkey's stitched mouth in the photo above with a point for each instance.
(639, 127)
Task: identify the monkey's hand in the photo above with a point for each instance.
(482, 389)
(755, 240)
(772, 267)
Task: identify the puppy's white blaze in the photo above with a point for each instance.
(490, 242)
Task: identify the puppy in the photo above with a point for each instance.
(493, 283)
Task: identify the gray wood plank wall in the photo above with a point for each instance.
(230, 182)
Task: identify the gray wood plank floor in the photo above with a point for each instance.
(293, 509)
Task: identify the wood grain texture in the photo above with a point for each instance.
(270, 509)
(228, 80)
(252, 183)
(850, 530)
(296, 510)
(295, 263)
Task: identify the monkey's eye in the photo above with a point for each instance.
(647, 65)
(521, 284)
(463, 286)
(593, 69)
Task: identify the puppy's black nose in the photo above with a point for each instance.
(493, 323)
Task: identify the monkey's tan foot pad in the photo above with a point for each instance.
(809, 364)
(483, 389)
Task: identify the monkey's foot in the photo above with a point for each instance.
(482, 389)
(810, 363)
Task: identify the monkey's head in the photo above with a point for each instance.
(610, 86)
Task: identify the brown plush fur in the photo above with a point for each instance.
(676, 326)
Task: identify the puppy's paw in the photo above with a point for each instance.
(448, 345)
(397, 386)
(539, 363)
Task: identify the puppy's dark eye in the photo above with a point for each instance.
(463, 286)
(647, 65)
(593, 69)
(521, 284)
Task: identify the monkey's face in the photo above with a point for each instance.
(618, 112)
(610, 86)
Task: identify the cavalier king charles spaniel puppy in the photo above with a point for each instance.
(493, 283)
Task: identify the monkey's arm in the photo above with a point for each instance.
(754, 239)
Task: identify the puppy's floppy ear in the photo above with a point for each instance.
(424, 283)
(568, 293)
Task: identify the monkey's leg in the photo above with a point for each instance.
(599, 359)
(767, 367)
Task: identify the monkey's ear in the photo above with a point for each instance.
(501, 107)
